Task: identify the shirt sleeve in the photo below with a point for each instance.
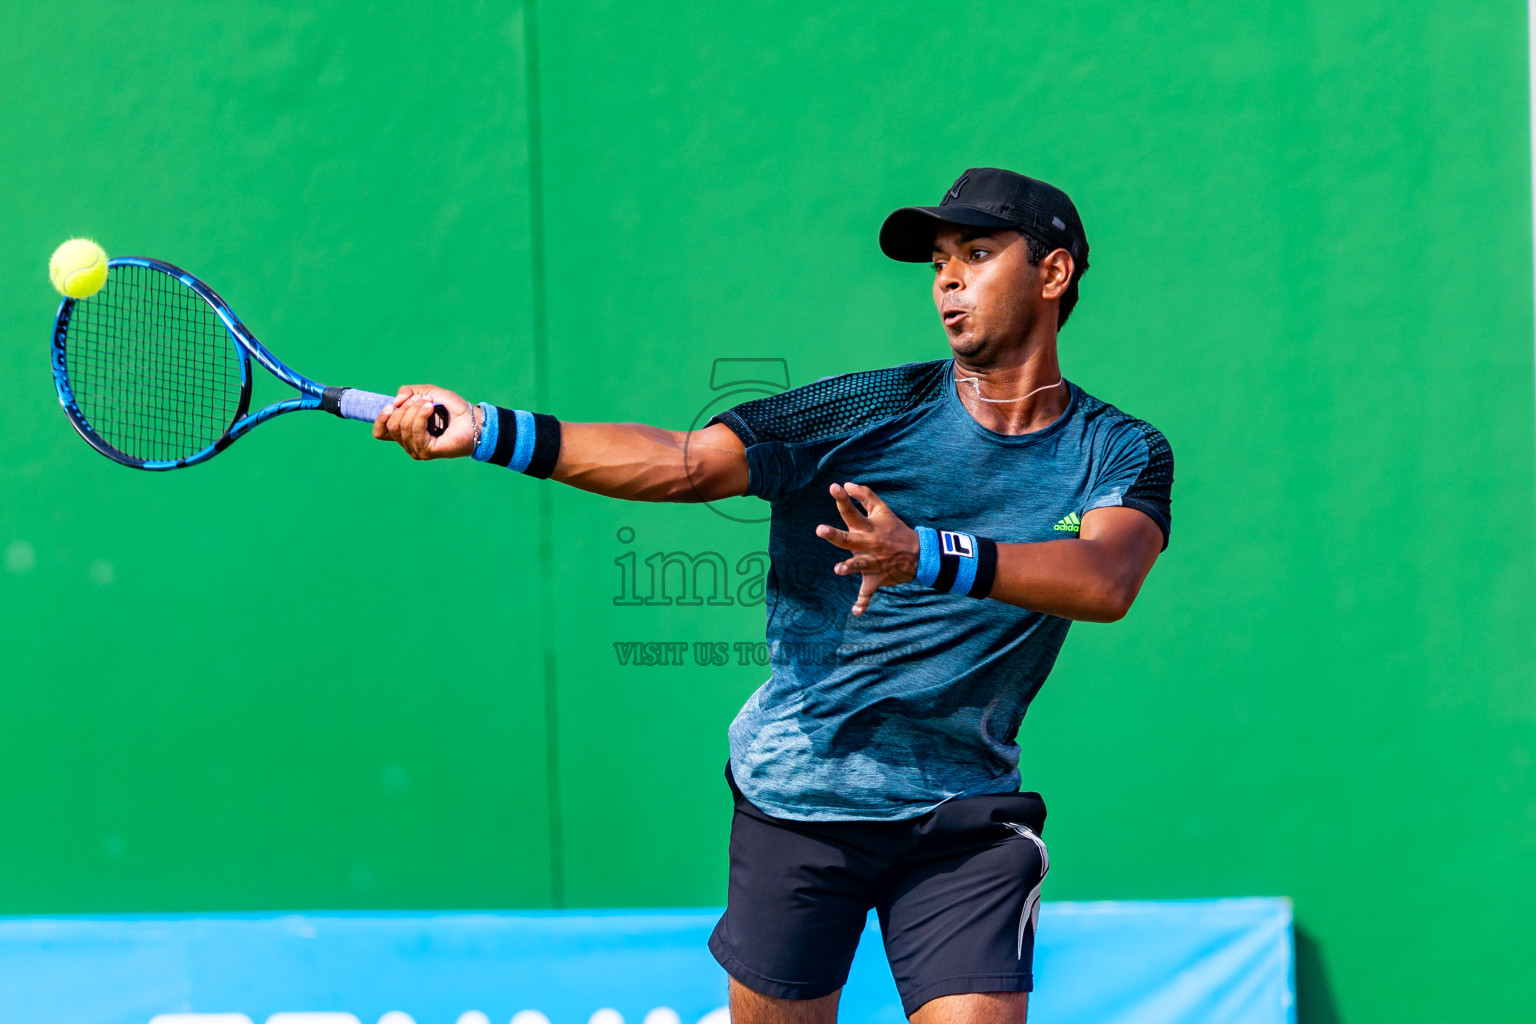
(789, 435)
(1137, 473)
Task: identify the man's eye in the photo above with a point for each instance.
(938, 265)
(977, 254)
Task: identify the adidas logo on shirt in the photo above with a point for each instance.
(1069, 523)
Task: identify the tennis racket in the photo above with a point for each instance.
(154, 370)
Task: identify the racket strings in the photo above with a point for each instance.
(154, 371)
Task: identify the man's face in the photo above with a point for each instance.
(988, 296)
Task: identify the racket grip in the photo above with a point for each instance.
(365, 406)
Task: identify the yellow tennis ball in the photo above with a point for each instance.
(78, 268)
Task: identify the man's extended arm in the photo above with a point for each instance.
(641, 463)
(620, 460)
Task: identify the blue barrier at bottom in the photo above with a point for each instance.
(1206, 962)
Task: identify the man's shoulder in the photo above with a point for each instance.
(837, 406)
(1108, 425)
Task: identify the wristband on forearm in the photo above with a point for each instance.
(956, 563)
(527, 442)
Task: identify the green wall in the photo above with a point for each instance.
(1312, 269)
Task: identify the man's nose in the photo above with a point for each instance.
(949, 279)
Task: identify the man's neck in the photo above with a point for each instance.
(1014, 375)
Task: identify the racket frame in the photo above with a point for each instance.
(312, 395)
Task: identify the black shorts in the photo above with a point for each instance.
(957, 891)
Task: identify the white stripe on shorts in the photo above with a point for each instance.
(1031, 912)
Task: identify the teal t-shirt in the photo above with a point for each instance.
(919, 700)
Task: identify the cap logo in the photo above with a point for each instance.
(1060, 226)
(954, 190)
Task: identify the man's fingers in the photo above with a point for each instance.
(851, 515)
(866, 593)
(406, 419)
(396, 419)
(399, 426)
(381, 423)
(858, 563)
(421, 440)
(407, 427)
(424, 436)
(868, 498)
(842, 538)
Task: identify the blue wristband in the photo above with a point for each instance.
(489, 422)
(526, 442)
(927, 555)
(956, 563)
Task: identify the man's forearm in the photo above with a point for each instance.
(621, 460)
(642, 463)
(1094, 578)
(1074, 579)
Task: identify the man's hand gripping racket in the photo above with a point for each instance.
(409, 419)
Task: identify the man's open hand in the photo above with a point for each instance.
(884, 548)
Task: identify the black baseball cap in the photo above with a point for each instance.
(988, 197)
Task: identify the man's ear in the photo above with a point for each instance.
(1055, 273)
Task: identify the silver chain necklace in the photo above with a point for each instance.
(976, 385)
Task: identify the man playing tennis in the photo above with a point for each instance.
(935, 528)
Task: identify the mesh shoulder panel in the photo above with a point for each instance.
(1156, 481)
(836, 406)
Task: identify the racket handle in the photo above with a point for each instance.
(356, 404)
